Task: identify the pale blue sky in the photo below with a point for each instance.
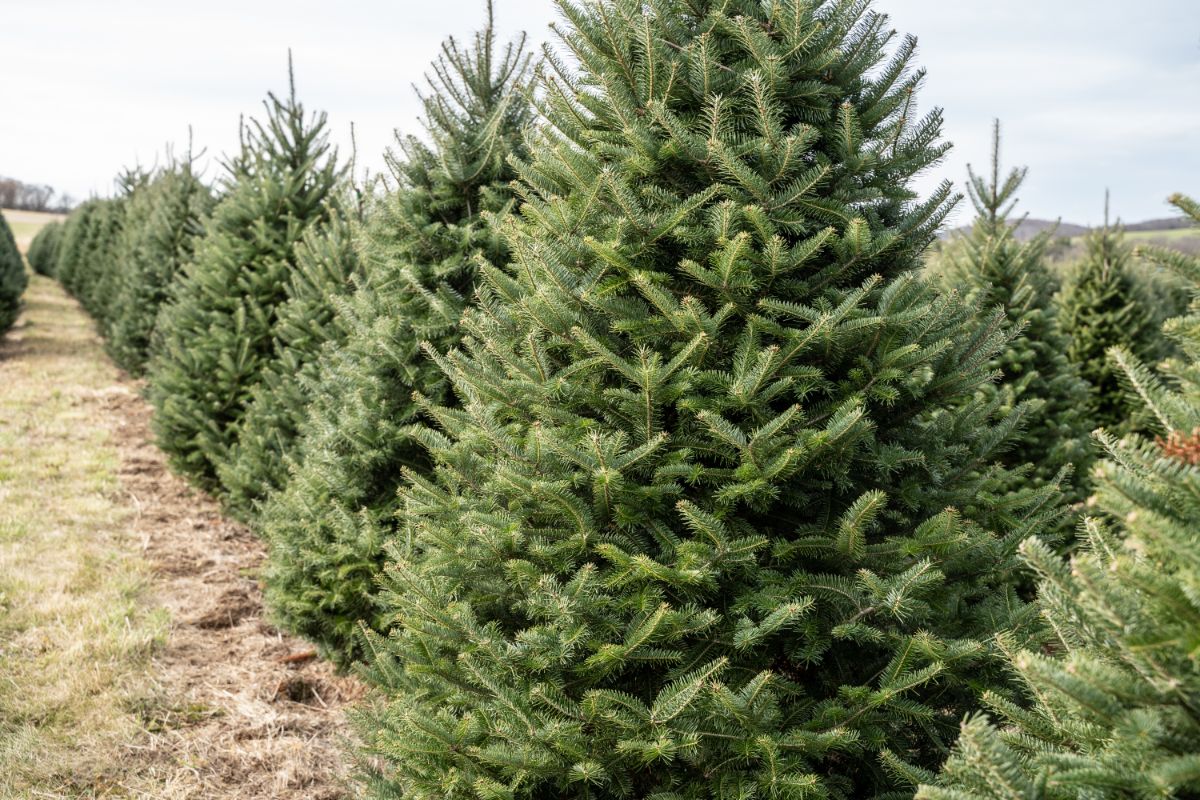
(1093, 94)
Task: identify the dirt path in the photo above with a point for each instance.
(134, 658)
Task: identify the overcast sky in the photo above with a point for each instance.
(1092, 93)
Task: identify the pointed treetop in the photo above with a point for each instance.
(291, 79)
(994, 200)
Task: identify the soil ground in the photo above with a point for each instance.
(135, 660)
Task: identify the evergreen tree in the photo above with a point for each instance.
(43, 250)
(108, 260)
(690, 532)
(215, 334)
(1112, 696)
(171, 210)
(12, 276)
(327, 267)
(1101, 309)
(993, 268)
(77, 232)
(422, 246)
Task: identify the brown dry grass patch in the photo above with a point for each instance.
(134, 657)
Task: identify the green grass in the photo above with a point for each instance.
(78, 628)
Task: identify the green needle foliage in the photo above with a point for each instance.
(215, 335)
(327, 267)
(12, 276)
(43, 250)
(72, 250)
(1113, 694)
(164, 220)
(1100, 309)
(421, 249)
(993, 268)
(692, 531)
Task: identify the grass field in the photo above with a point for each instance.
(26, 224)
(77, 629)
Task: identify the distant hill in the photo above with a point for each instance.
(1068, 230)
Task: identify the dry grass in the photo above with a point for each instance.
(26, 224)
(76, 632)
(134, 662)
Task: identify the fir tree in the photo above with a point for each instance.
(1101, 309)
(43, 250)
(993, 268)
(73, 247)
(1113, 693)
(171, 209)
(422, 246)
(108, 260)
(12, 276)
(327, 267)
(215, 334)
(689, 534)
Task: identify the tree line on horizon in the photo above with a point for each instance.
(635, 441)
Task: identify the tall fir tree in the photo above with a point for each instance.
(992, 267)
(1100, 309)
(43, 250)
(690, 533)
(215, 335)
(171, 209)
(421, 249)
(327, 268)
(12, 276)
(1112, 696)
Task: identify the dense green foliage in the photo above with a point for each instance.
(43, 250)
(623, 449)
(422, 246)
(993, 268)
(327, 266)
(163, 222)
(216, 334)
(692, 531)
(12, 276)
(1101, 309)
(1112, 696)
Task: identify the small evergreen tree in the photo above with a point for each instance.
(215, 334)
(12, 276)
(171, 209)
(1113, 693)
(327, 267)
(72, 250)
(421, 248)
(43, 250)
(689, 535)
(108, 260)
(1101, 309)
(993, 268)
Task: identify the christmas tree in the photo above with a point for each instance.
(327, 267)
(73, 241)
(992, 267)
(169, 214)
(1101, 309)
(43, 250)
(12, 276)
(108, 260)
(421, 249)
(703, 523)
(1112, 693)
(215, 335)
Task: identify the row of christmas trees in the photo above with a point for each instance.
(623, 445)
